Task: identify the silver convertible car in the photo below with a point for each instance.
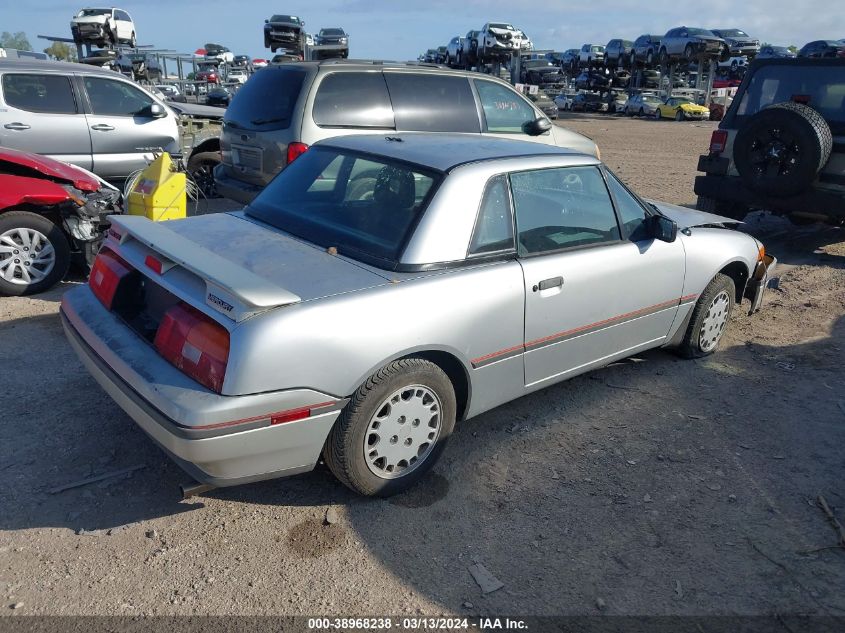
(382, 288)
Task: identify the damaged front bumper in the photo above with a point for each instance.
(759, 281)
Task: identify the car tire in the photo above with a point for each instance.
(679, 115)
(201, 170)
(663, 57)
(649, 59)
(133, 42)
(709, 319)
(657, 114)
(810, 134)
(428, 391)
(689, 53)
(641, 112)
(12, 223)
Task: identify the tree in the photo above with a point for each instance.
(792, 49)
(61, 51)
(15, 40)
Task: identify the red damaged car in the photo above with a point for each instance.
(52, 214)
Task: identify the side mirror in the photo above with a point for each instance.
(266, 21)
(538, 126)
(662, 228)
(157, 111)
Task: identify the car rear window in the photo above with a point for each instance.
(356, 100)
(820, 87)
(432, 103)
(363, 205)
(268, 99)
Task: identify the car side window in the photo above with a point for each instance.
(562, 208)
(115, 98)
(353, 100)
(432, 103)
(631, 213)
(47, 94)
(494, 225)
(504, 110)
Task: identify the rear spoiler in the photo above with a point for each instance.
(231, 290)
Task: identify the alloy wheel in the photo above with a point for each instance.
(26, 256)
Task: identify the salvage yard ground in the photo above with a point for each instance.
(654, 486)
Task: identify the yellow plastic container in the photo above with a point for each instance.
(159, 193)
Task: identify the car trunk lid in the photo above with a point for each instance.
(227, 264)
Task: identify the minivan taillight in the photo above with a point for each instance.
(195, 344)
(108, 271)
(295, 150)
(718, 141)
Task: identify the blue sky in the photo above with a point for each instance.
(400, 29)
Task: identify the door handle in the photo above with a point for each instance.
(553, 282)
(16, 126)
(102, 127)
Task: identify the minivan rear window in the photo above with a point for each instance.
(356, 100)
(268, 99)
(432, 103)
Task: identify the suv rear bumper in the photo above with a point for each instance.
(232, 188)
(732, 189)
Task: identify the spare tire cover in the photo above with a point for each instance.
(781, 149)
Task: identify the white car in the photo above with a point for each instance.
(216, 52)
(564, 100)
(103, 27)
(501, 38)
(238, 75)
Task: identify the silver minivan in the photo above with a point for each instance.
(284, 109)
(91, 117)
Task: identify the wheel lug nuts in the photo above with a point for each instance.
(17, 261)
(394, 439)
(408, 442)
(416, 423)
(401, 419)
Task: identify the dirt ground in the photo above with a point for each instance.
(654, 486)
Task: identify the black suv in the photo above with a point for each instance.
(781, 144)
(645, 50)
(617, 53)
(284, 31)
(145, 67)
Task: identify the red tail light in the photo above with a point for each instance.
(106, 274)
(718, 141)
(295, 150)
(195, 344)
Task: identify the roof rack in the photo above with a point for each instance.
(379, 62)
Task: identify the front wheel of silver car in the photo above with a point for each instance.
(709, 318)
(393, 429)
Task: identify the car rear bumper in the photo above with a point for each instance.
(234, 189)
(219, 440)
(732, 189)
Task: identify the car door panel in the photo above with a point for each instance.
(41, 114)
(590, 295)
(614, 298)
(123, 142)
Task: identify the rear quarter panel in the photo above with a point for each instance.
(334, 344)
